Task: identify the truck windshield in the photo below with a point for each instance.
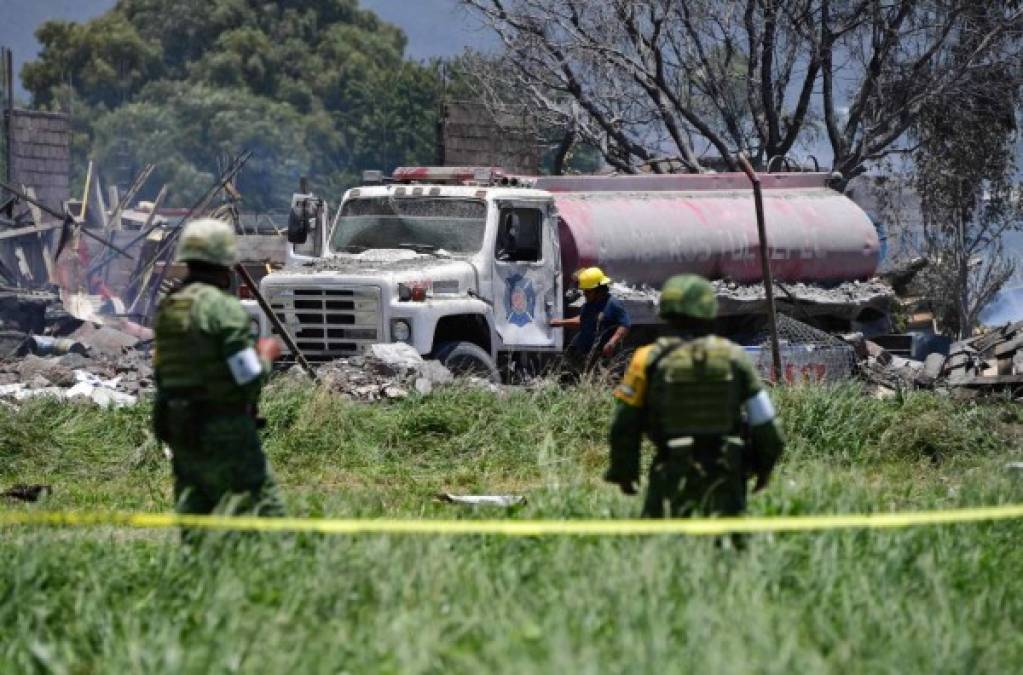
(421, 224)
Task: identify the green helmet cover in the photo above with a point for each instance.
(210, 241)
(688, 295)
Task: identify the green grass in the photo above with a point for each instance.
(930, 599)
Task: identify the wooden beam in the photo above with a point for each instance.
(44, 238)
(25, 231)
(62, 218)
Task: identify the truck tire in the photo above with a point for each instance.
(466, 358)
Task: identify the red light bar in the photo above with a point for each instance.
(452, 175)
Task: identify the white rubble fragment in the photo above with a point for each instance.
(102, 392)
(385, 371)
(484, 500)
(396, 354)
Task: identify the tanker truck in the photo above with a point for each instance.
(468, 265)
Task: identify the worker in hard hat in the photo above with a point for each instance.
(693, 393)
(209, 374)
(602, 323)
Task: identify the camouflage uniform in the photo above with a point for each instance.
(688, 396)
(208, 380)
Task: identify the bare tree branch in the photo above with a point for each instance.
(650, 78)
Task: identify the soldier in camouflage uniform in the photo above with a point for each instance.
(208, 379)
(691, 394)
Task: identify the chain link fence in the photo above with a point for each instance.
(807, 353)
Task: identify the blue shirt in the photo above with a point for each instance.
(597, 323)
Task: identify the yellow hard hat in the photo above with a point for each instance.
(591, 277)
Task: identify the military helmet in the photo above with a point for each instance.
(688, 295)
(591, 277)
(210, 241)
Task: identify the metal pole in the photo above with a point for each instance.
(758, 200)
(8, 66)
(265, 306)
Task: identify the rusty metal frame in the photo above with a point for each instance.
(758, 199)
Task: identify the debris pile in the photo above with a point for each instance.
(46, 351)
(849, 301)
(991, 363)
(78, 282)
(385, 371)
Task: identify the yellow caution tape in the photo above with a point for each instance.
(511, 527)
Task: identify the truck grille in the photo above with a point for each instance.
(329, 322)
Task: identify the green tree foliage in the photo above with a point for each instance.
(318, 88)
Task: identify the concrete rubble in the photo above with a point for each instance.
(44, 351)
(848, 301)
(986, 364)
(72, 272)
(386, 371)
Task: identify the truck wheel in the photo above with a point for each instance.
(466, 358)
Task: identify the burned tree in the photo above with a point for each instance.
(963, 173)
(654, 80)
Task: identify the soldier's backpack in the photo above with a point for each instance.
(693, 389)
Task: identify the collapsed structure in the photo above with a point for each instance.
(74, 309)
(987, 364)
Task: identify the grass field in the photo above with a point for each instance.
(939, 599)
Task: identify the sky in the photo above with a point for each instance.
(433, 27)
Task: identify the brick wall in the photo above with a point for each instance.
(41, 154)
(473, 136)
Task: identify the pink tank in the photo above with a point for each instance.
(643, 229)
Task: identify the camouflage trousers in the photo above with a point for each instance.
(705, 478)
(222, 468)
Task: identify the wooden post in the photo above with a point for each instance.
(758, 200)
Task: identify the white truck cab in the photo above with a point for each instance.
(460, 272)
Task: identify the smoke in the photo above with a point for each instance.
(1006, 307)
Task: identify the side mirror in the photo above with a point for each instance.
(298, 224)
(301, 220)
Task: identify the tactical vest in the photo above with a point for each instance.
(189, 362)
(693, 390)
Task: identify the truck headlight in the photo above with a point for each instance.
(401, 331)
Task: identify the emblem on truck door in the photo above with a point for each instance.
(520, 300)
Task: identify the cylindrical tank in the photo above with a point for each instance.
(643, 229)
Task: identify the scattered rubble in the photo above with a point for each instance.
(44, 351)
(27, 493)
(77, 384)
(850, 301)
(990, 363)
(386, 371)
